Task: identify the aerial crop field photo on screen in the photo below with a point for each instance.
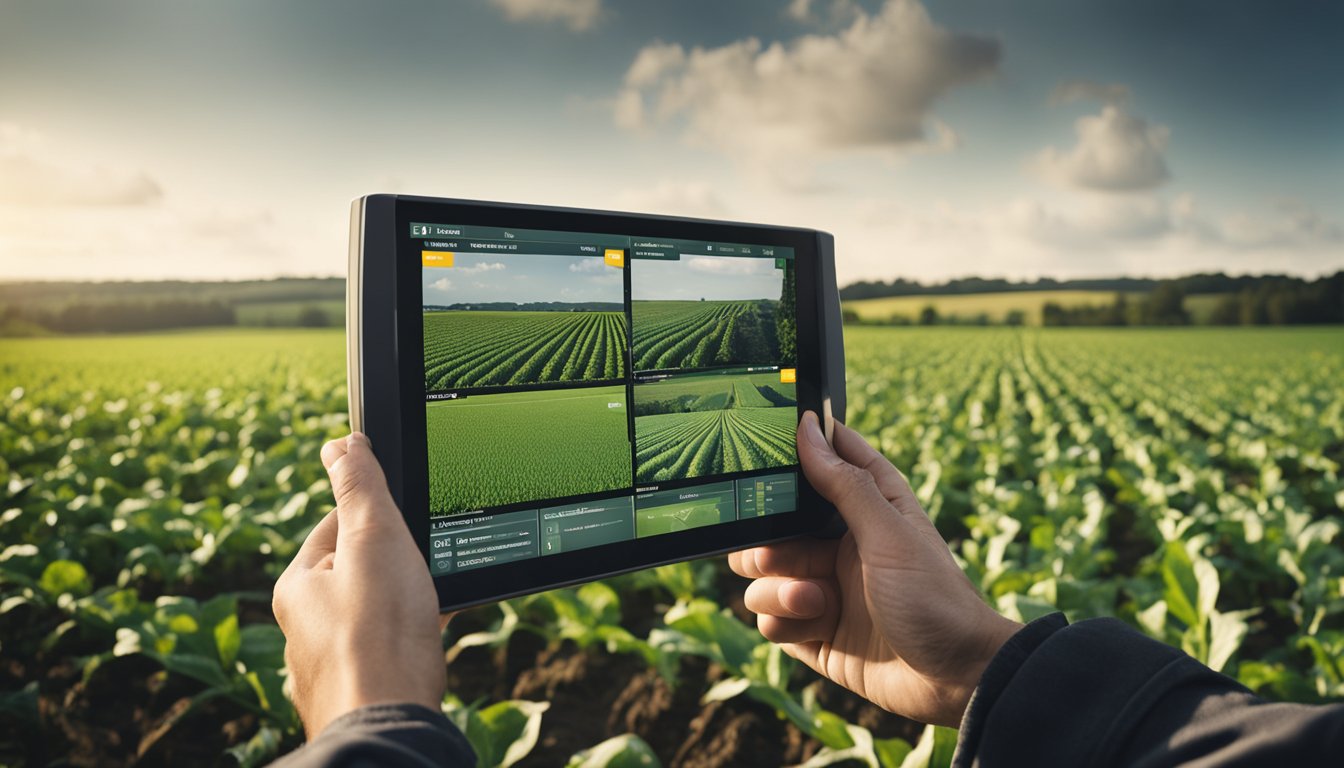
(708, 311)
(709, 424)
(518, 319)
(526, 445)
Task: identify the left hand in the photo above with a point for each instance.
(357, 605)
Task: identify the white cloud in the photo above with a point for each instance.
(1083, 237)
(1117, 151)
(587, 265)
(33, 173)
(442, 284)
(484, 266)
(579, 15)
(871, 86)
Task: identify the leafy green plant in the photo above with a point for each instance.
(502, 733)
(624, 751)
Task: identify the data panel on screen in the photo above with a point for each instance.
(585, 389)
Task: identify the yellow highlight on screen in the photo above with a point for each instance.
(788, 375)
(614, 257)
(436, 258)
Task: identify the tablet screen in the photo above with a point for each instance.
(588, 389)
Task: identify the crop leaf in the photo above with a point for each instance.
(624, 751)
(64, 576)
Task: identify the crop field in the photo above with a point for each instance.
(700, 334)
(481, 349)
(552, 443)
(1186, 481)
(712, 391)
(703, 443)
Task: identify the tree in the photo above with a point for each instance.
(1227, 311)
(312, 316)
(928, 315)
(1166, 305)
(786, 318)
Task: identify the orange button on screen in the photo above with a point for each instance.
(436, 258)
(788, 375)
(614, 257)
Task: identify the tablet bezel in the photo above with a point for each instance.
(386, 363)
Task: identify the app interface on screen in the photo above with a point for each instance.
(585, 389)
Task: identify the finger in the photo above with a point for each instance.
(357, 481)
(332, 451)
(852, 490)
(785, 631)
(320, 543)
(806, 651)
(800, 558)
(785, 598)
(850, 446)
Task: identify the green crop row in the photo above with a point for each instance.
(703, 443)
(701, 334)
(487, 348)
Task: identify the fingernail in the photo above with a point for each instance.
(812, 428)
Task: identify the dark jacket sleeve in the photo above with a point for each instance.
(385, 735)
(1098, 693)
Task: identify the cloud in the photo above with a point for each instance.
(442, 284)
(579, 15)
(587, 265)
(1117, 151)
(1099, 235)
(484, 266)
(1088, 90)
(871, 86)
(32, 173)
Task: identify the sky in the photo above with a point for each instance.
(521, 278)
(712, 278)
(950, 138)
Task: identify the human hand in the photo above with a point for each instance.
(357, 605)
(885, 610)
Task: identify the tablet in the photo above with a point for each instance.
(559, 395)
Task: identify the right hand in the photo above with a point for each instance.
(885, 610)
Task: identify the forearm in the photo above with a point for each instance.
(397, 735)
(1099, 693)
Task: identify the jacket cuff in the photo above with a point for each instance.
(996, 678)
(1068, 694)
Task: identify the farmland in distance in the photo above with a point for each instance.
(706, 424)
(701, 334)
(490, 348)
(490, 450)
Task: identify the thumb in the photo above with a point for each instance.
(852, 489)
(359, 485)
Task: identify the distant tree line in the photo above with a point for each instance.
(1268, 301)
(1284, 303)
(1191, 285)
(120, 316)
(132, 316)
